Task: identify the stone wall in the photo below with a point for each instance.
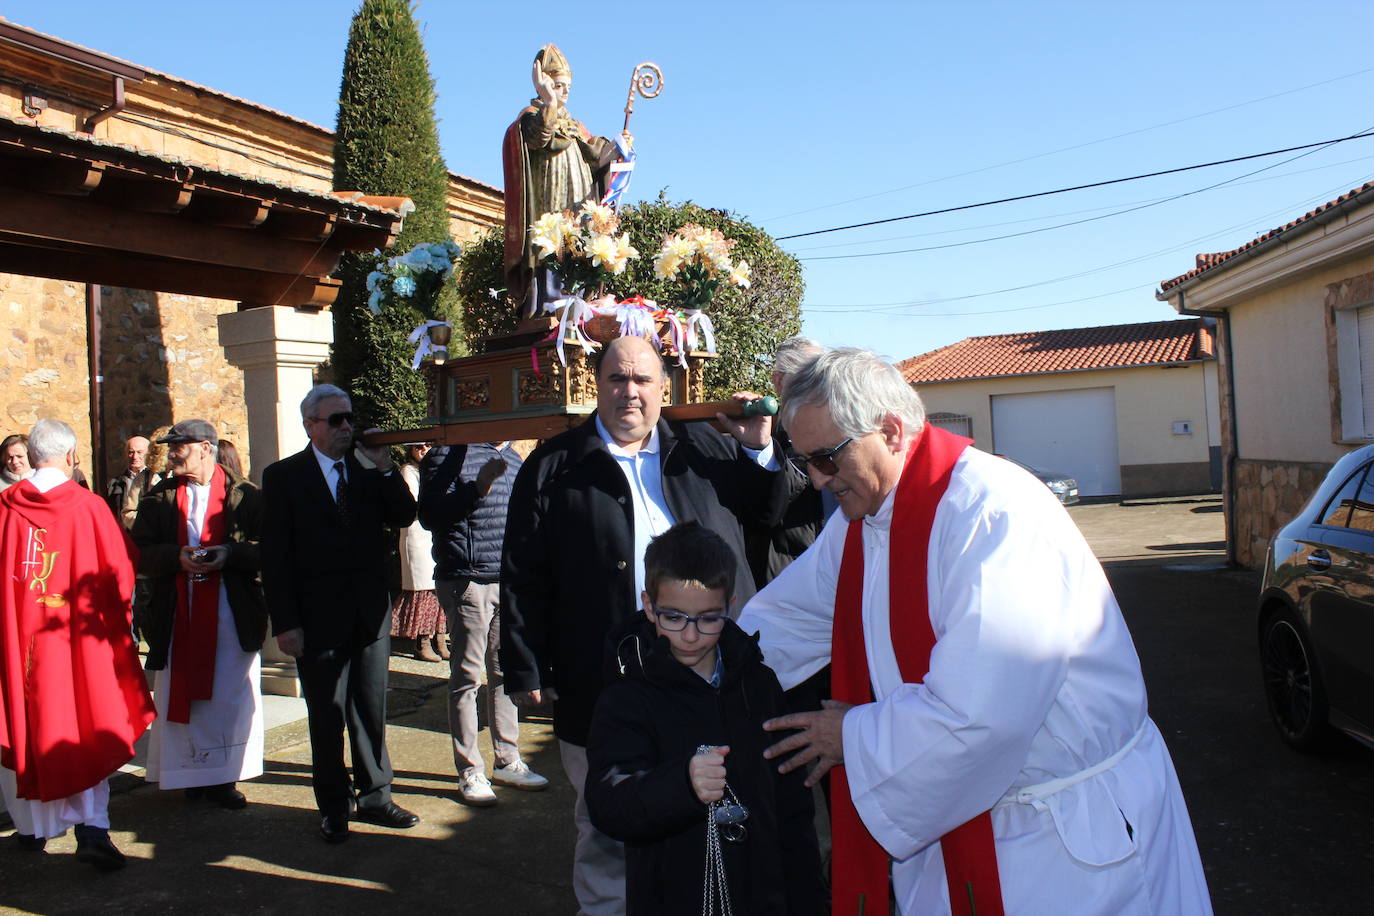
(44, 372)
(1268, 495)
(162, 362)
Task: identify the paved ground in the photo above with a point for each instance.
(1279, 832)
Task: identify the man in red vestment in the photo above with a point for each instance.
(73, 699)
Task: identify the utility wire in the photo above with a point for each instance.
(1076, 146)
(1076, 222)
(1062, 213)
(1081, 187)
(894, 309)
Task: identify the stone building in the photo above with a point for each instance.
(117, 360)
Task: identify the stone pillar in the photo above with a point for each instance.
(278, 349)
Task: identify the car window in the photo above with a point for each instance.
(1362, 511)
(1337, 511)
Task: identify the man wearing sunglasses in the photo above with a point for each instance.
(582, 511)
(989, 710)
(323, 569)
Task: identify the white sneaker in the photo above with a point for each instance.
(518, 775)
(476, 789)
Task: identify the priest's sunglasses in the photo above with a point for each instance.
(336, 420)
(676, 622)
(821, 461)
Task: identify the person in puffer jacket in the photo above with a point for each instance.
(684, 678)
(464, 491)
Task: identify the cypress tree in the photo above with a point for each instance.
(386, 143)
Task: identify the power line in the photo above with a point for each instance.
(1076, 222)
(893, 309)
(1081, 187)
(1062, 213)
(1076, 146)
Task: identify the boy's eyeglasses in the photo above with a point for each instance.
(821, 461)
(337, 419)
(676, 622)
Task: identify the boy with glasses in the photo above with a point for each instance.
(681, 727)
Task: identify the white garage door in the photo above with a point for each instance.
(1069, 432)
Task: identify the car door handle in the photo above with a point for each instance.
(1319, 560)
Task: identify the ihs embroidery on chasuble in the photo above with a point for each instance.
(38, 565)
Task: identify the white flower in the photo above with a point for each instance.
(667, 264)
(603, 219)
(545, 245)
(602, 249)
(739, 275)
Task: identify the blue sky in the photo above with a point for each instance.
(806, 115)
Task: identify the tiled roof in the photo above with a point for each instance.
(1115, 346)
(167, 77)
(1309, 220)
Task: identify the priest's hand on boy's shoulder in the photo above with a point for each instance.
(818, 736)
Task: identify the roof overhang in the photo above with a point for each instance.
(78, 208)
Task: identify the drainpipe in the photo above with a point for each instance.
(108, 111)
(1223, 319)
(94, 356)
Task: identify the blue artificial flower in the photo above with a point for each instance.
(403, 286)
(373, 279)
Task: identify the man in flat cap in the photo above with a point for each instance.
(197, 532)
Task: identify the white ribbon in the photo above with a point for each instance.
(425, 348)
(574, 312)
(697, 318)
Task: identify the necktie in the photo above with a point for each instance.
(341, 492)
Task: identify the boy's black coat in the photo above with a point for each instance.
(648, 723)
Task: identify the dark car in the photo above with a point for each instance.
(1061, 485)
(1316, 612)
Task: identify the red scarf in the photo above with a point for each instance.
(196, 626)
(859, 866)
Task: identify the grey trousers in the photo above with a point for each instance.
(472, 609)
(598, 860)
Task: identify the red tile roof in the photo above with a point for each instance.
(1309, 220)
(1117, 346)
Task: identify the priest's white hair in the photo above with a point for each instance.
(859, 387)
(315, 395)
(50, 441)
(795, 352)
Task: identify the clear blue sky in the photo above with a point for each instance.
(807, 115)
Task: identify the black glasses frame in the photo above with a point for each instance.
(715, 623)
(821, 461)
(337, 419)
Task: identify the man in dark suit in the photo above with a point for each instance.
(323, 569)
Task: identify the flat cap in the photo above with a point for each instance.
(190, 431)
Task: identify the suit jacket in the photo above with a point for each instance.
(320, 572)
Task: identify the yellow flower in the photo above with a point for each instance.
(740, 274)
(603, 219)
(603, 250)
(667, 264)
(679, 247)
(545, 245)
(624, 249)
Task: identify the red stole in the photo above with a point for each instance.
(73, 699)
(859, 869)
(196, 625)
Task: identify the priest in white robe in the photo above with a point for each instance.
(993, 744)
(198, 534)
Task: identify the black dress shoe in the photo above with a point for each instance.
(100, 852)
(30, 843)
(226, 796)
(334, 828)
(388, 815)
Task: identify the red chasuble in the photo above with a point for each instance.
(859, 864)
(72, 694)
